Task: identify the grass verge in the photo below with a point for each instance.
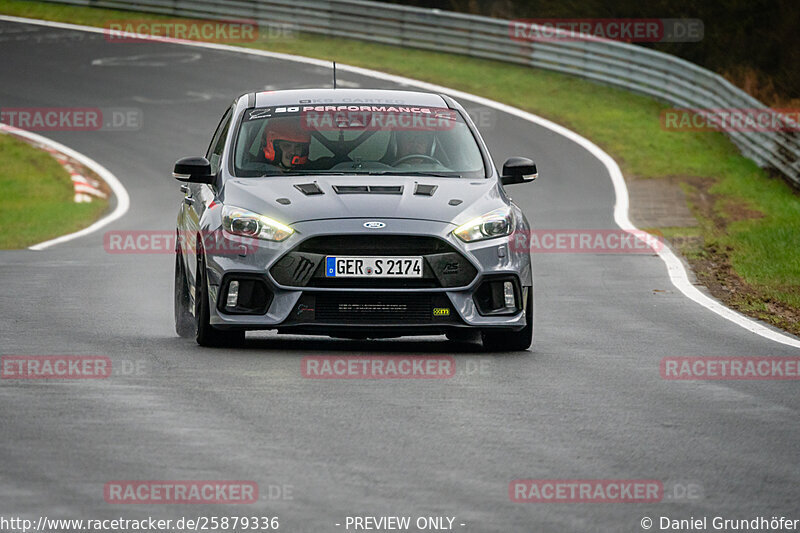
(37, 201)
(746, 240)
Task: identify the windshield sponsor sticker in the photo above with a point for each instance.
(363, 117)
(263, 112)
(351, 101)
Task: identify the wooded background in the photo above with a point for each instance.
(753, 43)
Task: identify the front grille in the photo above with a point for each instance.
(443, 265)
(374, 245)
(373, 307)
(296, 268)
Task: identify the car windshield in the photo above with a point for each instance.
(356, 139)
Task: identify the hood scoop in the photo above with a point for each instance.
(368, 189)
(309, 189)
(425, 190)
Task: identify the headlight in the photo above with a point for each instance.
(497, 223)
(248, 224)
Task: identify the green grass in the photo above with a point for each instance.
(763, 250)
(37, 201)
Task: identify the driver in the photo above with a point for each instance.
(286, 144)
(411, 143)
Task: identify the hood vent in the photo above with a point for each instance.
(309, 189)
(368, 189)
(424, 190)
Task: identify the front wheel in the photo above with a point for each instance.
(206, 334)
(511, 341)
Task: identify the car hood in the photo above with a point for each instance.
(306, 198)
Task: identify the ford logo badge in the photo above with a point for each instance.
(374, 225)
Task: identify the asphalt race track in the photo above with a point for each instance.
(587, 402)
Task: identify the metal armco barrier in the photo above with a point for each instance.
(628, 66)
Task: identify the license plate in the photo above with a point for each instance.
(373, 267)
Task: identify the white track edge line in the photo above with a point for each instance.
(123, 200)
(675, 268)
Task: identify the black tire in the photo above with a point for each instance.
(184, 321)
(503, 340)
(206, 334)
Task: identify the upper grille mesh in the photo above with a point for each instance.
(374, 245)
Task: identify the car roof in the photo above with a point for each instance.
(347, 96)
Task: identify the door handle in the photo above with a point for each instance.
(188, 200)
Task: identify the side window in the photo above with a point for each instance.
(214, 154)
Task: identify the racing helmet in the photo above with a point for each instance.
(285, 129)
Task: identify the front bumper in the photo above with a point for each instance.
(302, 301)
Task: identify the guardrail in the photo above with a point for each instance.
(642, 70)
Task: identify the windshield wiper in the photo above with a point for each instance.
(416, 173)
(354, 173)
(304, 173)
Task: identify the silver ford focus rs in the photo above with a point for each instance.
(351, 213)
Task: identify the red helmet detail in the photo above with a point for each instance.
(285, 129)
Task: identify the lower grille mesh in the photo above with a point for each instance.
(373, 307)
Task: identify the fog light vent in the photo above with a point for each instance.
(233, 295)
(498, 297)
(244, 294)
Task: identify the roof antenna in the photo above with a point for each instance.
(334, 74)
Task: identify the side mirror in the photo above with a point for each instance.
(193, 170)
(518, 170)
